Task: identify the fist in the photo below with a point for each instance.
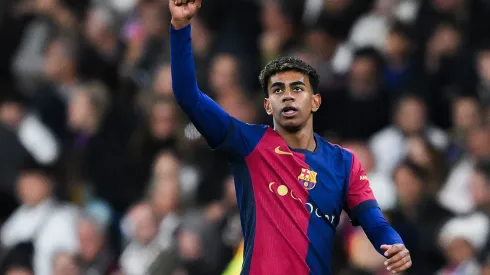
(182, 11)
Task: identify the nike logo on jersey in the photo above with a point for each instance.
(280, 152)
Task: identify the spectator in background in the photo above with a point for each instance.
(60, 69)
(103, 49)
(455, 194)
(164, 196)
(462, 243)
(466, 115)
(363, 106)
(402, 70)
(417, 217)
(429, 157)
(483, 67)
(144, 247)
(94, 255)
(162, 85)
(409, 120)
(41, 219)
(160, 132)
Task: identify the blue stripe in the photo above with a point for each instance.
(246, 204)
(320, 232)
(361, 207)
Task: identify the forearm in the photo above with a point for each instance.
(208, 117)
(377, 228)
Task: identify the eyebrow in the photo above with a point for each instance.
(295, 83)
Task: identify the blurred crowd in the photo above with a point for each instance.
(101, 173)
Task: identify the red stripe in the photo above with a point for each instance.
(281, 241)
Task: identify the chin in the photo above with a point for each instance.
(291, 126)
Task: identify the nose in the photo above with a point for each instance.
(288, 96)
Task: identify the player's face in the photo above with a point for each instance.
(291, 101)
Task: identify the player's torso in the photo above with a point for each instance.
(298, 199)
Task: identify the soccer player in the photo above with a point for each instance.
(291, 184)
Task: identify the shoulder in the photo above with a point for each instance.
(335, 151)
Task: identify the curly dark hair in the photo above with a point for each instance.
(284, 64)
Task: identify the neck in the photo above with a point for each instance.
(302, 139)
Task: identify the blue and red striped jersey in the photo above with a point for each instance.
(290, 200)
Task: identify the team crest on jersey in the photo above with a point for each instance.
(307, 178)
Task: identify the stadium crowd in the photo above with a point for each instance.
(101, 173)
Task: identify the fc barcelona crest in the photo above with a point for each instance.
(307, 178)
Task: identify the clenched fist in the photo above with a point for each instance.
(182, 12)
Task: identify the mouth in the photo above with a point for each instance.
(289, 111)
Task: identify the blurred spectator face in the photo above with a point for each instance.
(33, 188)
(409, 186)
(479, 142)
(164, 197)
(396, 46)
(459, 251)
(480, 188)
(19, 271)
(163, 120)
(189, 245)
(65, 264)
(166, 165)
(363, 77)
(484, 65)
(153, 19)
(90, 239)
(336, 5)
(45, 6)
(466, 113)
(410, 116)
(321, 44)
(200, 37)
(87, 106)
(144, 222)
(11, 114)
(446, 6)
(163, 81)
(224, 72)
(238, 106)
(273, 18)
(80, 110)
(57, 63)
(445, 41)
(98, 25)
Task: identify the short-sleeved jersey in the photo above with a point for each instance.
(291, 200)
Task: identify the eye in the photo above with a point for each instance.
(277, 90)
(298, 89)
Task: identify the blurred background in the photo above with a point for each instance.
(101, 173)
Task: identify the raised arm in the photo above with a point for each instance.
(208, 117)
(220, 130)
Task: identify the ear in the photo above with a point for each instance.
(267, 106)
(316, 101)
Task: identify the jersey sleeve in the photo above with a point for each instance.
(220, 130)
(359, 194)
